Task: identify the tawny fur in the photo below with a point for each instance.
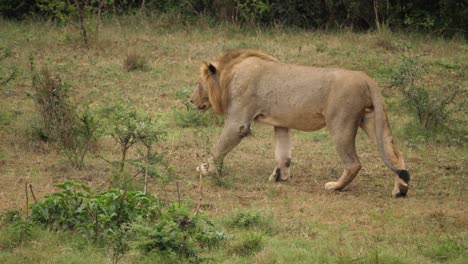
(247, 86)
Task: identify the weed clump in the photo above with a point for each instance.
(246, 219)
(54, 105)
(192, 118)
(248, 245)
(251, 219)
(134, 61)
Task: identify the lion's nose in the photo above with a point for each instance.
(191, 101)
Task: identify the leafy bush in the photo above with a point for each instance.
(79, 11)
(177, 234)
(435, 109)
(85, 132)
(76, 208)
(117, 217)
(73, 129)
(127, 127)
(17, 9)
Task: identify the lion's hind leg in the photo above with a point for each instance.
(391, 151)
(344, 140)
(282, 155)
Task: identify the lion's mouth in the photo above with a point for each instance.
(203, 107)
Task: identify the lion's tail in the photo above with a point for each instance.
(378, 103)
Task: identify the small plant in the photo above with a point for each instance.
(249, 245)
(85, 134)
(246, 219)
(250, 219)
(135, 61)
(128, 127)
(19, 228)
(118, 240)
(7, 74)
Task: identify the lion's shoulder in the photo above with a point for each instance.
(230, 58)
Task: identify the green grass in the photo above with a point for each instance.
(292, 222)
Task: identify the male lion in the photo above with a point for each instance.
(247, 86)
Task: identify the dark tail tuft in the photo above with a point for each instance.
(404, 175)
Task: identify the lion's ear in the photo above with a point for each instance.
(212, 69)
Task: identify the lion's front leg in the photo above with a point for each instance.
(232, 135)
(282, 155)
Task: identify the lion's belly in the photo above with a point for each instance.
(300, 121)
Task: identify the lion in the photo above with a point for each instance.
(248, 86)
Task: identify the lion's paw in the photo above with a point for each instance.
(400, 192)
(277, 176)
(332, 186)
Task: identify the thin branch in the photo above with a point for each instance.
(178, 192)
(32, 193)
(200, 191)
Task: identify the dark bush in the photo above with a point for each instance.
(442, 17)
(17, 9)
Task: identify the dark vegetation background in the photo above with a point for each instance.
(440, 17)
(99, 144)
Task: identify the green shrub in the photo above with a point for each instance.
(248, 245)
(118, 217)
(76, 208)
(434, 109)
(177, 234)
(128, 126)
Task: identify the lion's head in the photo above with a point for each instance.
(212, 89)
(203, 97)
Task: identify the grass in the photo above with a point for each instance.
(359, 225)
